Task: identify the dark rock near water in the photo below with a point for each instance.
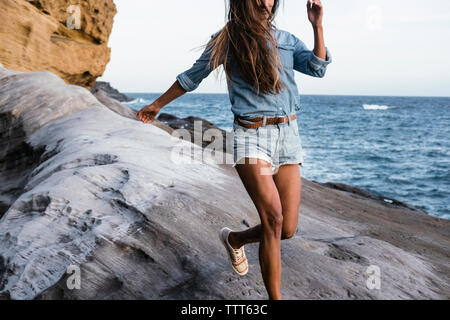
(224, 142)
(389, 202)
(110, 91)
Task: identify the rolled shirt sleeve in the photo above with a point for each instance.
(191, 78)
(305, 61)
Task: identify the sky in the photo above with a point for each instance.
(378, 47)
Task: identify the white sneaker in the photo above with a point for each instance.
(237, 257)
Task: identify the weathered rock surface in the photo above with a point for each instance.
(115, 105)
(84, 185)
(126, 111)
(110, 91)
(34, 36)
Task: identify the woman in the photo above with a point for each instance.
(259, 65)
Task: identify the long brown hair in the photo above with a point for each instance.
(243, 41)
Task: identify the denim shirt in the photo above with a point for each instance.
(245, 103)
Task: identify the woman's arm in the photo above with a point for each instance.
(148, 113)
(187, 81)
(319, 44)
(313, 63)
(315, 14)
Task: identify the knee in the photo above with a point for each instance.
(274, 222)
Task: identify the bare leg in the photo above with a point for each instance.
(288, 183)
(263, 191)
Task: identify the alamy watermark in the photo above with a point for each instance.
(74, 20)
(374, 279)
(74, 280)
(374, 18)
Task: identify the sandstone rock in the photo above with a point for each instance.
(86, 186)
(34, 36)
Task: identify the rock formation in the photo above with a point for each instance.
(189, 123)
(82, 185)
(34, 36)
(110, 91)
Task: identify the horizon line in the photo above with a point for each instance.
(305, 94)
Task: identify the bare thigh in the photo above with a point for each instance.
(260, 187)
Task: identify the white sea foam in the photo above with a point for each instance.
(375, 107)
(137, 101)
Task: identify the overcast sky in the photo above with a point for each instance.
(379, 47)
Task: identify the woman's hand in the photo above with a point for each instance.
(315, 12)
(148, 113)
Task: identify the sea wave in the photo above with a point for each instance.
(375, 107)
(137, 101)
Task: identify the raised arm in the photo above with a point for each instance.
(307, 62)
(313, 63)
(315, 15)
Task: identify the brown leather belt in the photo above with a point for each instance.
(258, 121)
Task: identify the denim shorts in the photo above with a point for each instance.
(277, 144)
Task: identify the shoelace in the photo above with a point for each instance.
(238, 253)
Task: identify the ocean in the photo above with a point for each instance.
(397, 147)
